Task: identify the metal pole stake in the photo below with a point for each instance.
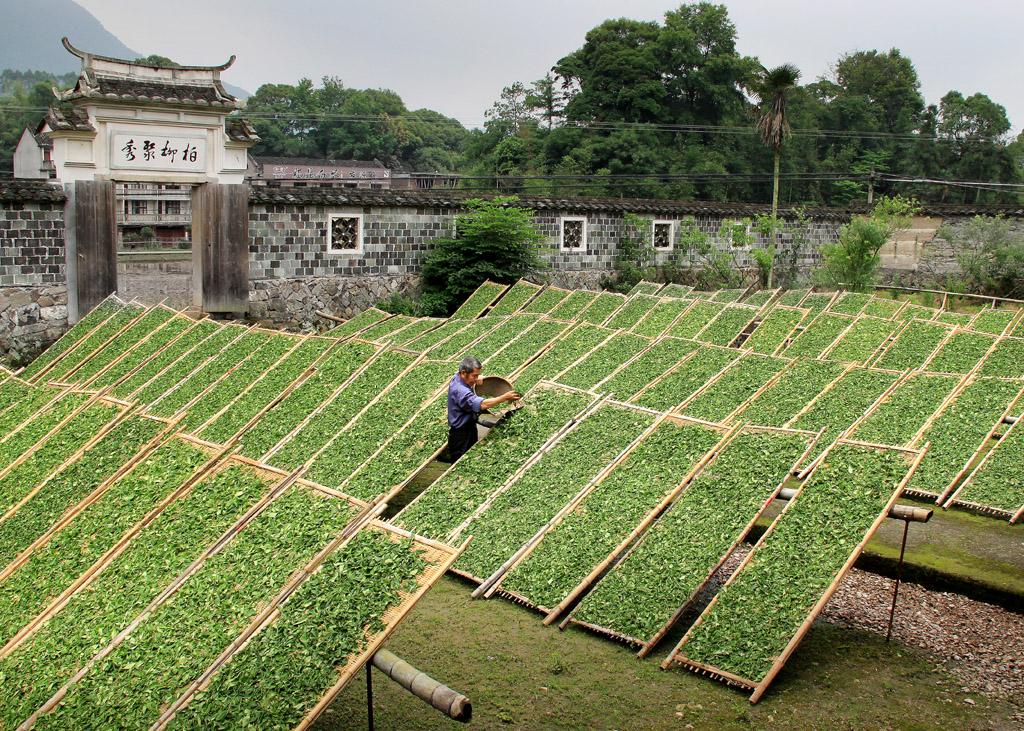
(369, 698)
(899, 577)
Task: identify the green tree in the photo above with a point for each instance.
(773, 89)
(333, 121)
(852, 262)
(990, 254)
(494, 239)
(155, 59)
(975, 129)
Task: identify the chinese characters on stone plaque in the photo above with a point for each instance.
(155, 152)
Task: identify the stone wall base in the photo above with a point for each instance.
(31, 318)
(293, 303)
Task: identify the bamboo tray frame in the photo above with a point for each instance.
(639, 297)
(541, 385)
(956, 331)
(888, 394)
(97, 351)
(658, 286)
(356, 333)
(172, 343)
(92, 399)
(38, 377)
(940, 496)
(216, 459)
(547, 288)
(729, 306)
(58, 392)
(177, 316)
(773, 295)
(663, 502)
(78, 348)
(396, 337)
(610, 334)
(644, 646)
(813, 293)
(337, 393)
(184, 354)
(686, 305)
(489, 584)
(1007, 329)
(278, 486)
(596, 351)
(630, 362)
(683, 365)
(487, 305)
(244, 331)
(733, 415)
(296, 341)
(788, 338)
(712, 382)
(907, 324)
(96, 493)
(456, 533)
(596, 293)
(896, 328)
(366, 520)
(330, 345)
(953, 500)
(758, 687)
(313, 371)
(621, 298)
(354, 421)
(536, 289)
(805, 327)
(565, 327)
(840, 295)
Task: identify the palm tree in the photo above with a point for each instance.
(772, 123)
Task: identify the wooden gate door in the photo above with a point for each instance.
(92, 245)
(220, 247)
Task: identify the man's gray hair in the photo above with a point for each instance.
(468, 364)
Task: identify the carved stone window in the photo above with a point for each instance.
(573, 234)
(346, 233)
(662, 235)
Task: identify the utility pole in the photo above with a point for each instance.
(871, 188)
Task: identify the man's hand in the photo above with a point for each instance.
(503, 398)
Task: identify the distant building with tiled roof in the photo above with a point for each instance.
(302, 171)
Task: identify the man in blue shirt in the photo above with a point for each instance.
(464, 406)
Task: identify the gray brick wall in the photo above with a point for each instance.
(290, 241)
(31, 244)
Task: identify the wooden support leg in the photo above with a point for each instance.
(899, 576)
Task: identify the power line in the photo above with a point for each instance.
(592, 125)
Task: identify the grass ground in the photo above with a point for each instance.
(522, 675)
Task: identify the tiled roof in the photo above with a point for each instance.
(67, 119)
(320, 162)
(30, 191)
(326, 195)
(239, 130)
(95, 86)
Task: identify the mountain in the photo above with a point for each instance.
(30, 33)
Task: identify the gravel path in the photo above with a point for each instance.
(980, 644)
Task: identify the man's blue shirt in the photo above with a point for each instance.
(463, 404)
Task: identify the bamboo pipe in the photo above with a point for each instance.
(449, 702)
(898, 512)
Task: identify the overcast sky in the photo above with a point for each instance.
(456, 55)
